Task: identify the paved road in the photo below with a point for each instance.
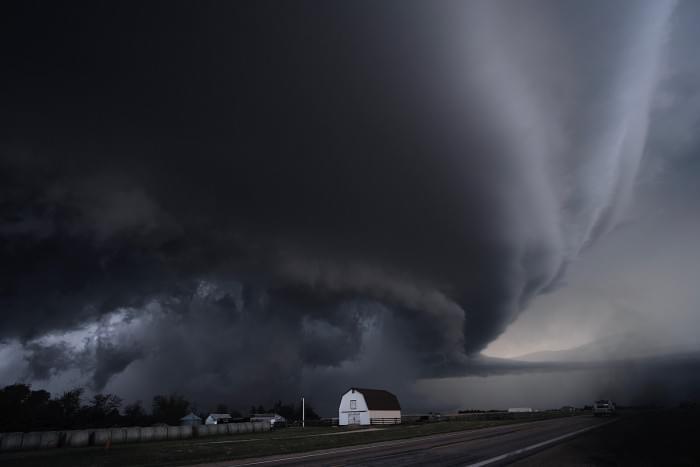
(488, 446)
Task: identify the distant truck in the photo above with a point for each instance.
(603, 408)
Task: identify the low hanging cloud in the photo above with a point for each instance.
(254, 202)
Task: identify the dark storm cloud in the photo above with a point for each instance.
(110, 359)
(43, 360)
(309, 162)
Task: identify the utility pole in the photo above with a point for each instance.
(303, 413)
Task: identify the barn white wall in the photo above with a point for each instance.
(361, 408)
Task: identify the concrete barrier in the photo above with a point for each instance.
(160, 433)
(261, 426)
(118, 435)
(48, 440)
(11, 441)
(205, 430)
(31, 440)
(62, 436)
(173, 432)
(147, 433)
(77, 438)
(186, 431)
(133, 434)
(100, 437)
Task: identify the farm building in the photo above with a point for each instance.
(520, 409)
(191, 419)
(217, 418)
(360, 406)
(273, 419)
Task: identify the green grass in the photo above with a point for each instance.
(218, 448)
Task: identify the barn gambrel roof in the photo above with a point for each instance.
(379, 399)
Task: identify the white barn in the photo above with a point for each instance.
(360, 406)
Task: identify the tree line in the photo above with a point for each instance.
(25, 409)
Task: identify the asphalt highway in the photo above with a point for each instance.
(488, 446)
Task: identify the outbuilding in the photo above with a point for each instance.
(218, 418)
(361, 406)
(275, 420)
(190, 420)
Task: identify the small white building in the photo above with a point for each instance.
(360, 406)
(520, 409)
(217, 418)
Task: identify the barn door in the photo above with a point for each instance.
(353, 419)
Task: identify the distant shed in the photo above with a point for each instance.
(361, 406)
(218, 418)
(190, 420)
(275, 420)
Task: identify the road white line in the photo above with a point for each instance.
(537, 445)
(230, 441)
(381, 444)
(339, 451)
(305, 456)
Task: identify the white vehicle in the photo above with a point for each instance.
(602, 408)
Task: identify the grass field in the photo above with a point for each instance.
(217, 448)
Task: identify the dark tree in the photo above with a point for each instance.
(103, 410)
(69, 410)
(309, 412)
(135, 410)
(292, 412)
(285, 410)
(135, 414)
(69, 402)
(170, 409)
(23, 409)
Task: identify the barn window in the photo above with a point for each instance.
(353, 405)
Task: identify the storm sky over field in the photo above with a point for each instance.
(243, 201)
